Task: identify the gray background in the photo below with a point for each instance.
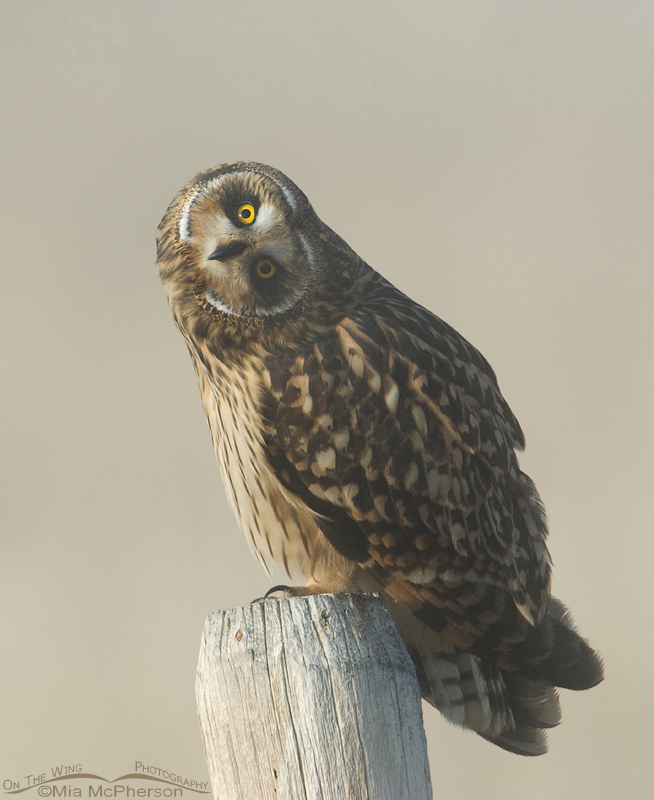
(494, 160)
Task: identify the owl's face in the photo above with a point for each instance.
(241, 252)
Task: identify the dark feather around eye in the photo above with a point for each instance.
(235, 196)
(260, 278)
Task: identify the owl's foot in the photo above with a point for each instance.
(283, 592)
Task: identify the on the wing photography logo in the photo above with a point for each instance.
(72, 781)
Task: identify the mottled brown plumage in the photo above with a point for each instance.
(365, 445)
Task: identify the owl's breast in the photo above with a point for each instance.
(280, 530)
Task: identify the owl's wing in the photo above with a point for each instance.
(393, 427)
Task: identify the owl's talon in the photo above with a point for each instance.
(287, 591)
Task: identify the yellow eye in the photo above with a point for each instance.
(245, 213)
(265, 268)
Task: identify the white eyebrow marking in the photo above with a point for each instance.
(267, 215)
(184, 231)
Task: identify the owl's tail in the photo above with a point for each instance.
(508, 710)
(497, 679)
(556, 653)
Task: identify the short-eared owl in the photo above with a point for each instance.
(365, 445)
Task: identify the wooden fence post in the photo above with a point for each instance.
(311, 698)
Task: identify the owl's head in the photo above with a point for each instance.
(243, 256)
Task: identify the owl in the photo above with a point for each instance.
(365, 446)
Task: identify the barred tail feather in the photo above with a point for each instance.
(508, 710)
(500, 683)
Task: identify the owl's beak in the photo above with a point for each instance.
(227, 251)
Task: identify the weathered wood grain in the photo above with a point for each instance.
(311, 698)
